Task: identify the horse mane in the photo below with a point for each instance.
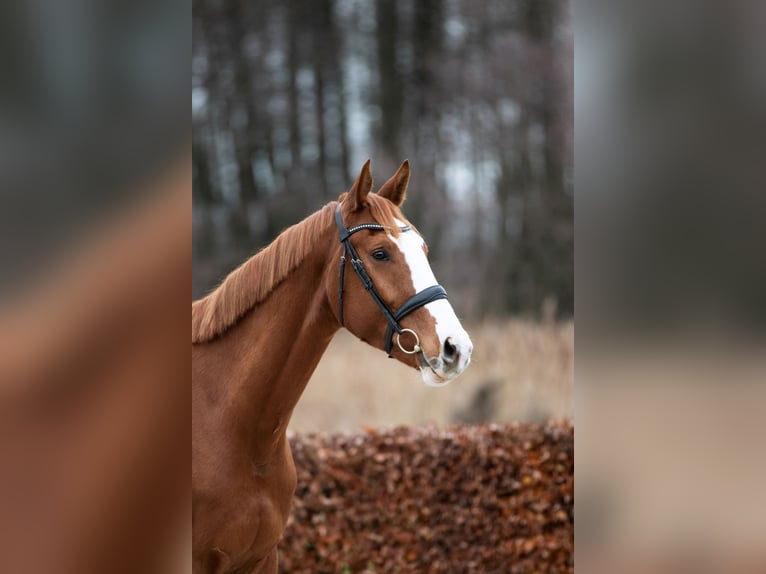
(254, 280)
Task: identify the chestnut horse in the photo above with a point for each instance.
(258, 337)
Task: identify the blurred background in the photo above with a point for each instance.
(95, 260)
(290, 98)
(670, 110)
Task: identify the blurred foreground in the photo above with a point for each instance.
(520, 371)
(483, 499)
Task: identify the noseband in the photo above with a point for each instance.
(418, 300)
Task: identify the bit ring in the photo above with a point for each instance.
(415, 349)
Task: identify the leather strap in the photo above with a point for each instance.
(418, 300)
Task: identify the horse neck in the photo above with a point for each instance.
(266, 360)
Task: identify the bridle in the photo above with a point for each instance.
(427, 295)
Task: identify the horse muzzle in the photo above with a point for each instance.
(454, 357)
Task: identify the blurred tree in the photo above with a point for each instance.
(290, 98)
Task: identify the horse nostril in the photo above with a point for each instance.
(450, 351)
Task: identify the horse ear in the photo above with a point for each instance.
(357, 195)
(395, 189)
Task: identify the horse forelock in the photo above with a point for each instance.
(383, 212)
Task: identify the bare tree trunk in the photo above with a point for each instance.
(294, 29)
(390, 88)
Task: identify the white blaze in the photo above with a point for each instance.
(447, 323)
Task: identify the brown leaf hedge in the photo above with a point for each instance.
(485, 499)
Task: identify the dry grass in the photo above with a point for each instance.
(521, 371)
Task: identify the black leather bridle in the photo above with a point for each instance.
(427, 295)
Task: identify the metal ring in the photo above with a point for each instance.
(415, 349)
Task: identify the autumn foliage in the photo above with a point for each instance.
(486, 499)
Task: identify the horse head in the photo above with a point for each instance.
(386, 293)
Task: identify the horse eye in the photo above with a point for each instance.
(381, 255)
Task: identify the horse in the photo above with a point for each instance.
(257, 338)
